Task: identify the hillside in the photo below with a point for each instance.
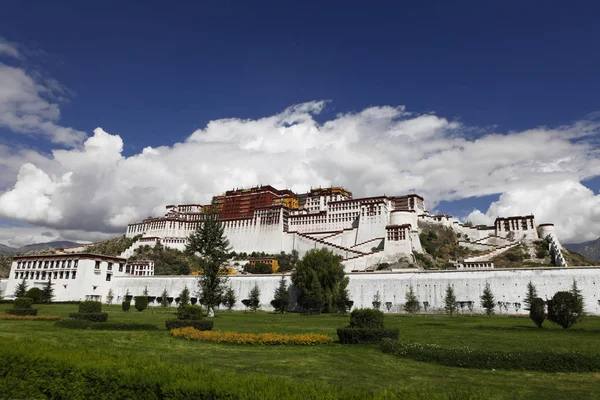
(112, 247)
(589, 250)
(36, 247)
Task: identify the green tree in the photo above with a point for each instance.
(48, 292)
(281, 301)
(254, 298)
(320, 280)
(258, 268)
(21, 289)
(229, 298)
(531, 294)
(35, 294)
(487, 299)
(141, 303)
(450, 301)
(184, 297)
(412, 305)
(145, 292)
(210, 243)
(537, 312)
(575, 291)
(565, 309)
(163, 301)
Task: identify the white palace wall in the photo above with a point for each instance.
(506, 285)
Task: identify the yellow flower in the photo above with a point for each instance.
(250, 338)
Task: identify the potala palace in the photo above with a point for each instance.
(365, 232)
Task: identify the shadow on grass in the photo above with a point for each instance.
(433, 324)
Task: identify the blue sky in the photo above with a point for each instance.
(154, 73)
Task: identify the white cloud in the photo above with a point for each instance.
(29, 105)
(374, 151)
(9, 49)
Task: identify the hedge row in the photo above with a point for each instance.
(90, 307)
(200, 325)
(93, 317)
(546, 361)
(250, 338)
(30, 370)
(105, 326)
(364, 335)
(22, 311)
(29, 317)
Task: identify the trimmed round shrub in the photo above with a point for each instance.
(23, 302)
(141, 303)
(564, 309)
(367, 318)
(93, 317)
(35, 294)
(126, 305)
(22, 311)
(365, 335)
(537, 311)
(86, 307)
(201, 325)
(190, 312)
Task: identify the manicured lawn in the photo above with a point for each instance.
(349, 367)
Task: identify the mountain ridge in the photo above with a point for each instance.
(590, 249)
(36, 247)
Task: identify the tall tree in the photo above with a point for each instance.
(412, 305)
(450, 301)
(184, 296)
(487, 299)
(163, 301)
(254, 298)
(575, 291)
(48, 292)
(229, 298)
(210, 243)
(531, 294)
(320, 280)
(281, 301)
(21, 289)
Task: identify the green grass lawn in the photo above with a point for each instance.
(346, 366)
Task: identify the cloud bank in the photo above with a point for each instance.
(379, 150)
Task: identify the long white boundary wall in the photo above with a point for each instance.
(508, 286)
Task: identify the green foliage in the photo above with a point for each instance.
(320, 280)
(281, 300)
(450, 301)
(110, 297)
(201, 325)
(511, 258)
(441, 244)
(287, 261)
(112, 247)
(210, 242)
(531, 294)
(90, 307)
(565, 309)
(487, 300)
(412, 304)
(376, 300)
(258, 268)
(350, 335)
(575, 291)
(22, 311)
(48, 292)
(537, 311)
(35, 294)
(546, 360)
(189, 312)
(141, 303)
(366, 318)
(254, 298)
(164, 301)
(93, 317)
(126, 305)
(21, 289)
(104, 326)
(23, 303)
(229, 298)
(167, 261)
(184, 297)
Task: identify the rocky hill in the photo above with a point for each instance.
(590, 250)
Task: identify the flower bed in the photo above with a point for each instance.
(308, 339)
(9, 317)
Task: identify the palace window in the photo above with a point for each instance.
(109, 268)
(16, 275)
(43, 275)
(55, 275)
(75, 263)
(108, 277)
(60, 275)
(73, 274)
(69, 264)
(120, 267)
(97, 265)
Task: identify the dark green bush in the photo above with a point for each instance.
(366, 318)
(565, 309)
(93, 317)
(537, 311)
(545, 360)
(23, 302)
(35, 294)
(201, 325)
(126, 305)
(105, 326)
(22, 311)
(190, 312)
(364, 335)
(141, 303)
(87, 307)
